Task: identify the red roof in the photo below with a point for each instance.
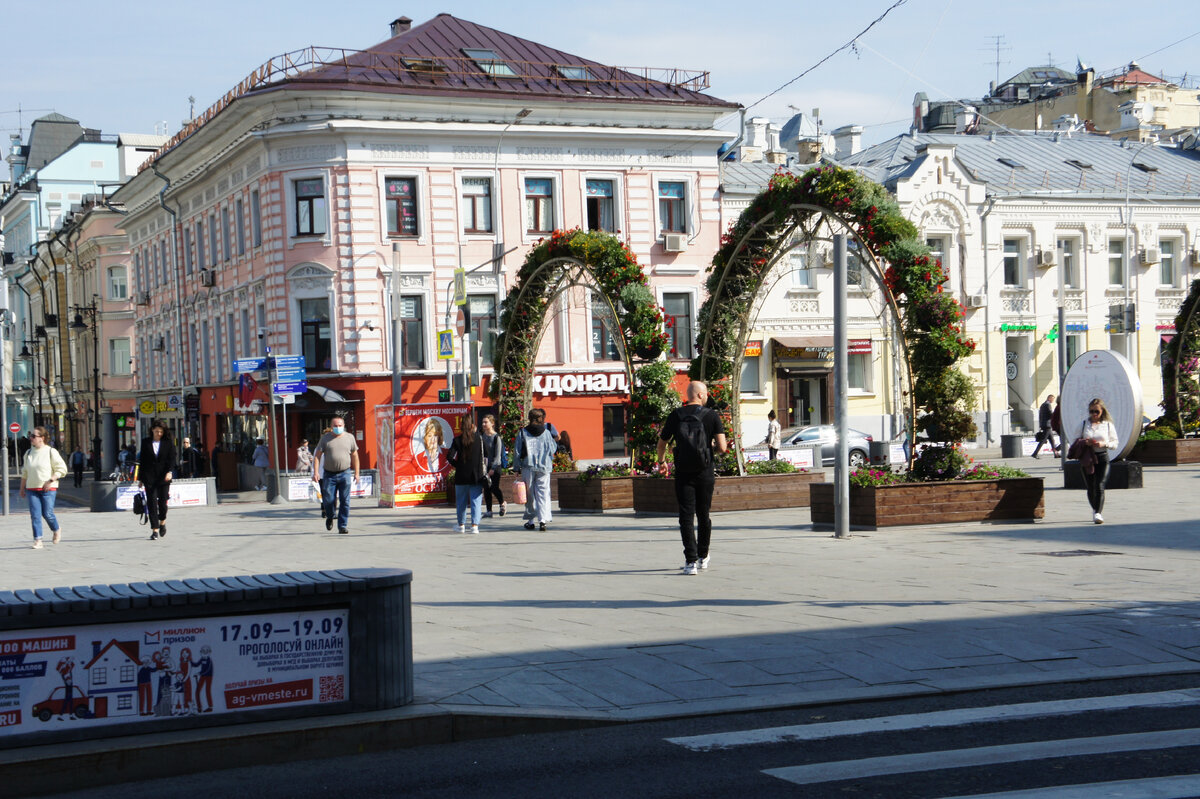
(432, 59)
(1132, 77)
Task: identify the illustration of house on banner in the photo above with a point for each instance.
(112, 678)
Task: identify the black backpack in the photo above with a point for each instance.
(693, 445)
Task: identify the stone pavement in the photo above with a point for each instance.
(593, 618)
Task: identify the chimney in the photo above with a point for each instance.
(920, 110)
(808, 151)
(847, 141)
(1083, 106)
(400, 25)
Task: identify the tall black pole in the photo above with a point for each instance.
(96, 471)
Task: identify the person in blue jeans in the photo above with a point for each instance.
(41, 470)
(335, 468)
(470, 472)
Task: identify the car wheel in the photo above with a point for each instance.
(81, 712)
(858, 459)
(44, 714)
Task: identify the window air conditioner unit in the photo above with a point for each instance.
(976, 300)
(1045, 258)
(674, 242)
(143, 298)
(1195, 257)
(1151, 255)
(207, 278)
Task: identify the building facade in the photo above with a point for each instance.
(321, 210)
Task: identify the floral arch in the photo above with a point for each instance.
(1180, 367)
(567, 259)
(927, 321)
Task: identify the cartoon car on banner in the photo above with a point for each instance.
(60, 703)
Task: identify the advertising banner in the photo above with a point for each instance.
(75, 677)
(422, 436)
(182, 495)
(800, 457)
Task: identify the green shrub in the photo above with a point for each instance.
(771, 467)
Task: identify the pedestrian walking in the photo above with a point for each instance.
(774, 436)
(1046, 431)
(495, 459)
(261, 460)
(335, 467)
(1097, 439)
(157, 464)
(535, 448)
(304, 457)
(466, 455)
(696, 431)
(78, 461)
(41, 470)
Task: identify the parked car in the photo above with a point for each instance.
(860, 443)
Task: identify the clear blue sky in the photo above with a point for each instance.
(124, 67)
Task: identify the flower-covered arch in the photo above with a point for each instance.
(928, 320)
(1180, 367)
(571, 258)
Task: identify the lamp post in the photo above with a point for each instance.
(37, 378)
(79, 325)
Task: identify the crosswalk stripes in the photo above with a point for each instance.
(941, 718)
(983, 756)
(1183, 786)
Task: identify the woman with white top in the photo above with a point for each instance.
(1101, 435)
(40, 473)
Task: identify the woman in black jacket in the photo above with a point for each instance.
(470, 472)
(156, 466)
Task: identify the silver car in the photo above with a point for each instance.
(826, 435)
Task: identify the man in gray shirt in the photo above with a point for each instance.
(336, 455)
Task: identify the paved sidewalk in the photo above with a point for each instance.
(593, 618)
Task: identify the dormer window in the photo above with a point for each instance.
(1010, 163)
(428, 66)
(574, 73)
(490, 63)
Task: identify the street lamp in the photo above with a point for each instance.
(79, 325)
(26, 355)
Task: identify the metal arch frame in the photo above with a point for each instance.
(799, 214)
(570, 274)
(1183, 334)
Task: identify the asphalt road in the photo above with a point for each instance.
(916, 748)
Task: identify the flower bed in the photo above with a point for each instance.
(872, 507)
(1171, 452)
(595, 495)
(751, 492)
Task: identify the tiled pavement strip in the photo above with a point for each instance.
(593, 617)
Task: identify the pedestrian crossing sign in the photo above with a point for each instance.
(445, 345)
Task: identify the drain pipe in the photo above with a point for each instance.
(987, 327)
(179, 354)
(741, 132)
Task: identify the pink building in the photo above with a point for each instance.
(289, 208)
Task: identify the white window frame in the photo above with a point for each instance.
(590, 318)
(289, 187)
(618, 198)
(1022, 261)
(758, 389)
(1108, 261)
(1176, 244)
(460, 181)
(314, 288)
(119, 366)
(1076, 242)
(427, 331)
(556, 208)
(868, 373)
(662, 291)
(256, 229)
(423, 219)
(689, 208)
(110, 274)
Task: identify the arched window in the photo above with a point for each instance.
(118, 283)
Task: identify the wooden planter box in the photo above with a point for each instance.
(596, 495)
(506, 486)
(1172, 453)
(752, 492)
(1021, 498)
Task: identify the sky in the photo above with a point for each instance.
(119, 68)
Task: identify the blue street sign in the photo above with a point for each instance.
(284, 362)
(288, 375)
(242, 365)
(291, 387)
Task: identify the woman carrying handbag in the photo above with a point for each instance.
(1098, 437)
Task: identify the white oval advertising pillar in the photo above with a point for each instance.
(1112, 378)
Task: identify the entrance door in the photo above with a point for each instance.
(807, 398)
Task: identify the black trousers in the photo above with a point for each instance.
(492, 491)
(1096, 481)
(694, 493)
(78, 475)
(156, 503)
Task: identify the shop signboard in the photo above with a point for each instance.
(418, 436)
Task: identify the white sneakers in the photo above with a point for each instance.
(474, 529)
(1097, 518)
(37, 544)
(704, 563)
(462, 528)
(691, 568)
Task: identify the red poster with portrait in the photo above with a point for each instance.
(421, 439)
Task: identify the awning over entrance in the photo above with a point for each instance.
(329, 395)
(803, 353)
